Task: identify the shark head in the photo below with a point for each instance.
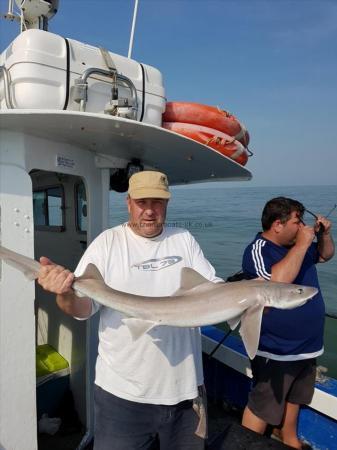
(270, 294)
(287, 296)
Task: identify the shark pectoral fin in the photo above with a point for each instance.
(138, 327)
(233, 323)
(250, 329)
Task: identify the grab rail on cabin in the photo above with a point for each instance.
(6, 77)
(81, 92)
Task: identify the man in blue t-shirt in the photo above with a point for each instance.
(290, 341)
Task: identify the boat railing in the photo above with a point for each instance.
(6, 78)
(81, 92)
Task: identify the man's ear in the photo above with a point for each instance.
(277, 225)
(128, 200)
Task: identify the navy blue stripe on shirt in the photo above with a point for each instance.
(258, 259)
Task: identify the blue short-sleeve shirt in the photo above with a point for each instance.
(294, 333)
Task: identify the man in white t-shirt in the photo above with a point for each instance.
(144, 389)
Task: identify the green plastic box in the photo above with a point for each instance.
(48, 360)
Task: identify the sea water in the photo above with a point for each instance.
(225, 219)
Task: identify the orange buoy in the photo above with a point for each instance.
(221, 142)
(208, 116)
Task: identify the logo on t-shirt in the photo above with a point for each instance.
(158, 264)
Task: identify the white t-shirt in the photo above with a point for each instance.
(164, 365)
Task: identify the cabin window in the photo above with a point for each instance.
(48, 207)
(81, 208)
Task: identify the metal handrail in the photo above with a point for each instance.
(81, 82)
(6, 77)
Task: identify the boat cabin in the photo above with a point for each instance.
(75, 122)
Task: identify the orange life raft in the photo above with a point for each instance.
(207, 116)
(219, 141)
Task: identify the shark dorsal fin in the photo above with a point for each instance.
(91, 272)
(190, 278)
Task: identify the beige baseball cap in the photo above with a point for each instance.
(148, 184)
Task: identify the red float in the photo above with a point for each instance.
(215, 139)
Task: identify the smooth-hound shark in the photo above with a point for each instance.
(198, 302)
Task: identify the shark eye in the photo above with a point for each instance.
(300, 290)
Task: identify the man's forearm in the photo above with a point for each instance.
(288, 268)
(73, 305)
(326, 247)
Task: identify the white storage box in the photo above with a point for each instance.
(42, 70)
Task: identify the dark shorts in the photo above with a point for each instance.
(124, 425)
(278, 382)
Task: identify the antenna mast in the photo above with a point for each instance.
(133, 28)
(33, 14)
(10, 14)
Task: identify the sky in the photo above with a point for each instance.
(271, 63)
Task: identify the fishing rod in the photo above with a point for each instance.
(219, 344)
(315, 215)
(238, 276)
(331, 210)
(321, 226)
(331, 315)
